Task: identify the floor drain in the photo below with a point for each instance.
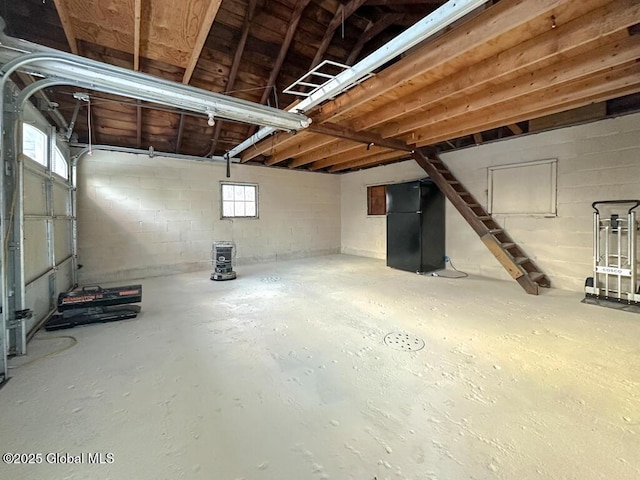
(270, 279)
(403, 341)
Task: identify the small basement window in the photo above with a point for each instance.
(377, 200)
(239, 200)
(60, 165)
(34, 143)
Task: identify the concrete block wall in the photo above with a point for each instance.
(596, 161)
(141, 216)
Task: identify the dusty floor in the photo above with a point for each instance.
(283, 374)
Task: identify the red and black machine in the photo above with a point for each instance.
(95, 304)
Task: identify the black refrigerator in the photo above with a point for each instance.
(415, 226)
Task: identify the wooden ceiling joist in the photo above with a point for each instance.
(515, 129)
(581, 66)
(355, 154)
(180, 133)
(67, 25)
(373, 31)
(138, 126)
(478, 32)
(203, 33)
(579, 34)
(269, 144)
(334, 148)
(235, 66)
(367, 162)
(347, 133)
(311, 142)
(291, 30)
(573, 94)
(137, 16)
(342, 13)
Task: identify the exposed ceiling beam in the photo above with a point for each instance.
(136, 34)
(137, 15)
(310, 142)
(233, 73)
(574, 36)
(603, 86)
(356, 154)
(515, 129)
(435, 3)
(581, 66)
(458, 42)
(67, 25)
(180, 133)
(267, 145)
(367, 162)
(291, 30)
(340, 131)
(342, 13)
(205, 27)
(370, 33)
(138, 126)
(334, 148)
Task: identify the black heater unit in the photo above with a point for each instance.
(415, 226)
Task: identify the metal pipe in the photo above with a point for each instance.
(632, 253)
(619, 259)
(140, 151)
(606, 260)
(141, 86)
(425, 28)
(596, 249)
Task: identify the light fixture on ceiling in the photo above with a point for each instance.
(212, 120)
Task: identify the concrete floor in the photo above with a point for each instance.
(283, 374)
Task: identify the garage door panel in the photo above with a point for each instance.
(64, 278)
(34, 194)
(61, 199)
(62, 236)
(38, 300)
(35, 249)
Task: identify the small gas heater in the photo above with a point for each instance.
(222, 256)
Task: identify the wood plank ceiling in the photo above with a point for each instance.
(507, 63)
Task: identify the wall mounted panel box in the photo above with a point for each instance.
(615, 262)
(95, 304)
(222, 255)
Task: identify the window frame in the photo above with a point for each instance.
(370, 190)
(255, 200)
(551, 190)
(44, 160)
(56, 150)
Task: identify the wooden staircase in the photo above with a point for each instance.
(499, 243)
